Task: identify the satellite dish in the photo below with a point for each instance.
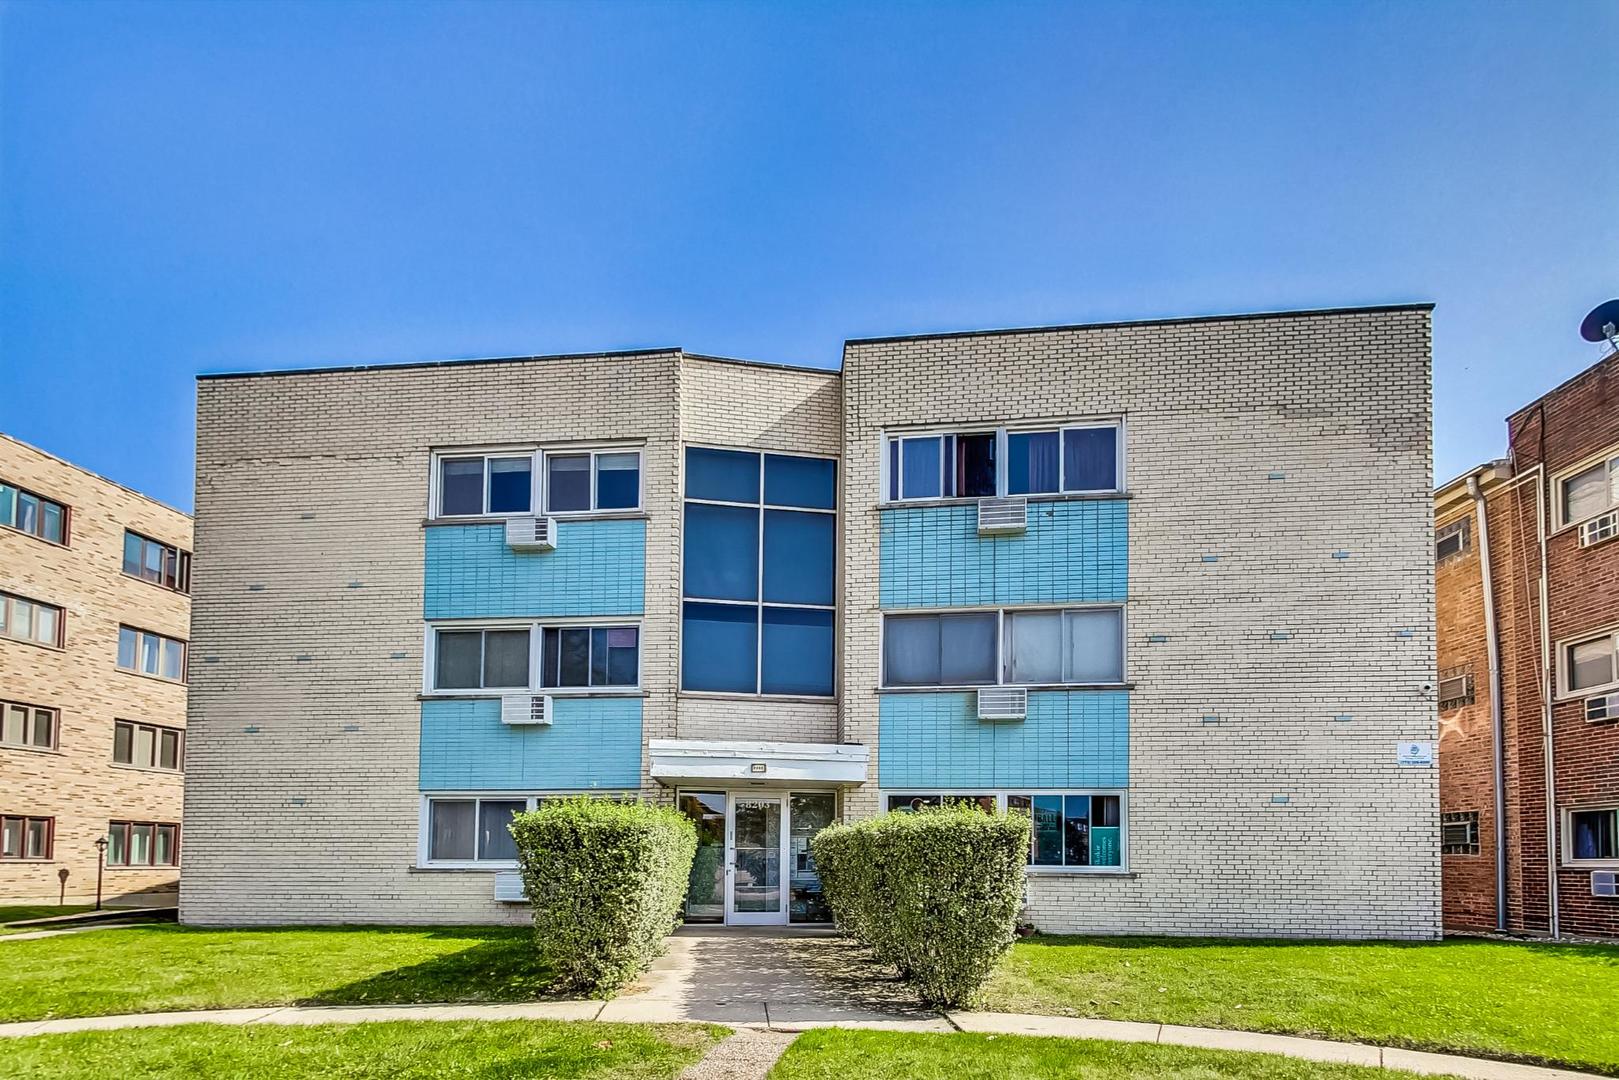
(1602, 324)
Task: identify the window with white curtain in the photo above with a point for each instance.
(1589, 492)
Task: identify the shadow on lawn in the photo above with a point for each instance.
(500, 967)
(1602, 952)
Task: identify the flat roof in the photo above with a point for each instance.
(95, 475)
(337, 368)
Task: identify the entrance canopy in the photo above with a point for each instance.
(772, 764)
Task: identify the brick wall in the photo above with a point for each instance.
(78, 783)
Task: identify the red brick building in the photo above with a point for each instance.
(1527, 583)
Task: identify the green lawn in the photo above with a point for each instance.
(832, 1054)
(18, 912)
(1534, 1002)
(163, 967)
(425, 1050)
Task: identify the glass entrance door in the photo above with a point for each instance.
(754, 891)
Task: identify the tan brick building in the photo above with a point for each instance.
(94, 619)
(1527, 585)
(1163, 585)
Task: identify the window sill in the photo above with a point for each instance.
(35, 644)
(57, 750)
(558, 692)
(1031, 687)
(566, 515)
(155, 678)
(155, 584)
(145, 768)
(461, 868)
(1590, 864)
(973, 500)
(9, 859)
(34, 536)
(721, 695)
(1079, 871)
(146, 867)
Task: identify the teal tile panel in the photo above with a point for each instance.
(1074, 551)
(598, 568)
(1071, 738)
(592, 743)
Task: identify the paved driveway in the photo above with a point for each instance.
(775, 975)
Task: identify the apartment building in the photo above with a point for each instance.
(94, 618)
(1164, 585)
(1527, 587)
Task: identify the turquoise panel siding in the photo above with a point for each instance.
(598, 568)
(593, 743)
(1075, 551)
(1072, 738)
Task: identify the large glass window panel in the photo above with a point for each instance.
(37, 843)
(1587, 493)
(911, 650)
(27, 512)
(1077, 830)
(505, 658)
(721, 552)
(975, 465)
(460, 659)
(168, 750)
(126, 645)
(920, 468)
(511, 484)
(44, 728)
(719, 648)
(151, 647)
(173, 659)
(45, 624)
(797, 657)
(123, 743)
(1034, 647)
(132, 554)
(567, 481)
(165, 853)
(144, 737)
(1095, 646)
(22, 618)
(13, 722)
(1048, 830)
(1090, 459)
(1032, 460)
(705, 889)
(893, 469)
(140, 845)
(722, 475)
(152, 562)
(800, 564)
(618, 481)
(453, 831)
(1591, 664)
(494, 827)
(1596, 834)
(118, 844)
(623, 656)
(808, 813)
(11, 837)
(460, 486)
(801, 481)
(8, 504)
(967, 649)
(51, 527)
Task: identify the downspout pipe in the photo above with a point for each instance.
(1492, 648)
(1547, 682)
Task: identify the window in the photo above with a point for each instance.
(1592, 835)
(1072, 830)
(1458, 833)
(975, 464)
(590, 656)
(147, 745)
(29, 620)
(759, 573)
(143, 843)
(473, 828)
(1079, 646)
(597, 480)
(33, 514)
(157, 562)
(1455, 687)
(481, 659)
(146, 653)
(1588, 492)
(26, 837)
(479, 484)
(1589, 666)
(27, 725)
(1452, 540)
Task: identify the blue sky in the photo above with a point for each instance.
(205, 187)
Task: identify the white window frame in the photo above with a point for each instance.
(424, 823)
(536, 642)
(759, 603)
(1567, 821)
(538, 495)
(1561, 520)
(1565, 665)
(1001, 463)
(1000, 648)
(1000, 793)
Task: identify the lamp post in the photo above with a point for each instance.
(101, 862)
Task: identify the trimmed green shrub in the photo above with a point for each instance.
(936, 892)
(606, 880)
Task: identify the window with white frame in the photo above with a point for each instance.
(1074, 458)
(585, 657)
(29, 620)
(1588, 492)
(1589, 666)
(1592, 835)
(495, 659)
(1072, 829)
(468, 830)
(1015, 647)
(148, 746)
(27, 725)
(590, 656)
(511, 482)
(147, 653)
(759, 573)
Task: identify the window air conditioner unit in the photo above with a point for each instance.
(522, 710)
(1602, 707)
(531, 533)
(1605, 883)
(509, 888)
(1003, 703)
(1000, 516)
(1599, 529)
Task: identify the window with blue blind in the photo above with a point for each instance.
(759, 564)
(1072, 459)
